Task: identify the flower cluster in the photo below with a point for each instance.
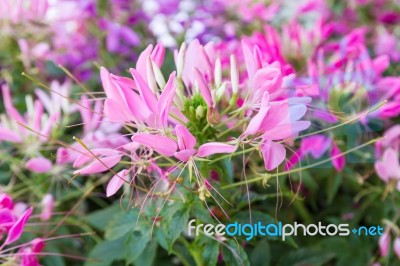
(173, 106)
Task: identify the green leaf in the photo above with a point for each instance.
(261, 254)
(104, 253)
(333, 186)
(122, 224)
(306, 256)
(136, 244)
(146, 258)
(234, 254)
(100, 219)
(211, 252)
(171, 229)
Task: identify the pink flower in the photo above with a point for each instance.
(186, 145)
(34, 118)
(389, 167)
(28, 255)
(384, 244)
(47, 205)
(276, 121)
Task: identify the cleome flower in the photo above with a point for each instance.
(176, 124)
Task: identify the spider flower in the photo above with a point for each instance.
(180, 121)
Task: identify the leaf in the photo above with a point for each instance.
(104, 253)
(306, 256)
(146, 258)
(333, 186)
(171, 229)
(234, 254)
(261, 254)
(136, 244)
(100, 219)
(211, 252)
(122, 224)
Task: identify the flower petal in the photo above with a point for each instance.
(273, 154)
(16, 230)
(185, 139)
(204, 90)
(39, 165)
(145, 92)
(101, 165)
(116, 182)
(184, 155)
(214, 148)
(166, 98)
(161, 144)
(9, 135)
(340, 161)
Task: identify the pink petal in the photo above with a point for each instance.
(185, 139)
(39, 165)
(381, 171)
(251, 65)
(317, 145)
(340, 161)
(141, 62)
(158, 54)
(6, 218)
(86, 156)
(286, 131)
(196, 56)
(204, 90)
(396, 247)
(161, 144)
(391, 109)
(97, 166)
(116, 182)
(256, 122)
(145, 92)
(47, 207)
(38, 244)
(214, 148)
(384, 244)
(273, 154)
(391, 134)
(6, 201)
(114, 113)
(166, 98)
(9, 135)
(391, 161)
(184, 155)
(267, 79)
(16, 230)
(8, 104)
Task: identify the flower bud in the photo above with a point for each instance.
(234, 76)
(158, 75)
(217, 73)
(213, 116)
(200, 112)
(181, 60)
(151, 80)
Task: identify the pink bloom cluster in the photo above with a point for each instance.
(163, 113)
(13, 220)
